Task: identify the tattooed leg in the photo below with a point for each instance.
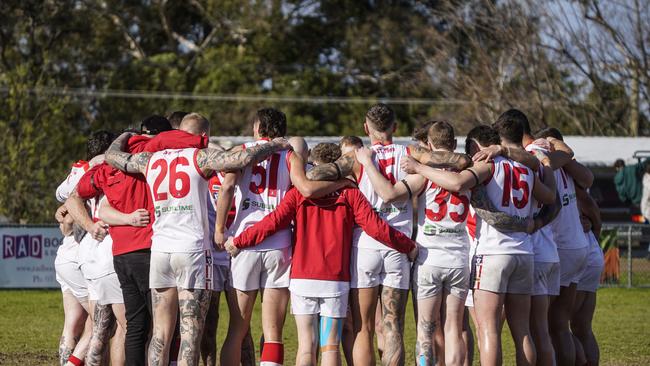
(428, 309)
(103, 322)
(164, 303)
(209, 339)
(75, 318)
(193, 306)
(393, 301)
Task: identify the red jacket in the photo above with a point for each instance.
(323, 232)
(129, 192)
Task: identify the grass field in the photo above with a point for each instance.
(30, 324)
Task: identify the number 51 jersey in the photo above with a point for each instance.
(179, 191)
(260, 189)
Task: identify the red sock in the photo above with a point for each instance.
(75, 361)
(272, 354)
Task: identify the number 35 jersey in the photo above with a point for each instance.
(510, 189)
(399, 215)
(180, 193)
(442, 227)
(259, 191)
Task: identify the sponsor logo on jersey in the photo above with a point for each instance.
(178, 209)
(390, 210)
(568, 198)
(433, 230)
(248, 203)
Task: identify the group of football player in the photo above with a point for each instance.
(159, 221)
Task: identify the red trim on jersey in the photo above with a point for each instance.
(81, 164)
(408, 150)
(491, 174)
(360, 174)
(196, 165)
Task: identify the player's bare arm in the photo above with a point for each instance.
(211, 160)
(124, 161)
(501, 221)
(345, 165)
(439, 159)
(226, 194)
(113, 217)
(513, 153)
(388, 191)
(542, 193)
(451, 181)
(311, 188)
(548, 213)
(77, 209)
(590, 209)
(580, 174)
(560, 155)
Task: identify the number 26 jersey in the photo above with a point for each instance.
(260, 189)
(179, 192)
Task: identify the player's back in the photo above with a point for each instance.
(567, 229)
(399, 215)
(179, 192)
(260, 189)
(510, 188)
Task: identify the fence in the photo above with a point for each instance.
(630, 243)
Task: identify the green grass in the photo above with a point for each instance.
(31, 321)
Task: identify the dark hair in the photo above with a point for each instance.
(421, 132)
(351, 141)
(273, 123)
(619, 163)
(549, 132)
(98, 143)
(381, 117)
(325, 152)
(509, 129)
(441, 135)
(484, 135)
(154, 125)
(175, 118)
(517, 116)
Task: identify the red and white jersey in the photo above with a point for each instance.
(180, 193)
(259, 191)
(399, 215)
(544, 245)
(68, 185)
(510, 188)
(567, 229)
(220, 257)
(442, 227)
(96, 257)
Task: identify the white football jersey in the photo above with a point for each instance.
(567, 229)
(180, 193)
(442, 227)
(510, 188)
(544, 245)
(96, 257)
(68, 185)
(399, 215)
(260, 189)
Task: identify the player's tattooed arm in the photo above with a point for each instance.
(501, 221)
(211, 160)
(309, 188)
(341, 168)
(124, 161)
(440, 159)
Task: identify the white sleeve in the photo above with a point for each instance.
(68, 185)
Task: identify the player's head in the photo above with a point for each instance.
(269, 123)
(300, 146)
(325, 152)
(480, 137)
(154, 125)
(549, 132)
(517, 116)
(98, 142)
(195, 124)
(350, 143)
(509, 129)
(380, 118)
(175, 118)
(441, 136)
(421, 133)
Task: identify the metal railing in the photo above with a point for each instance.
(631, 240)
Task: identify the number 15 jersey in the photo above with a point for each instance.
(510, 189)
(180, 192)
(260, 189)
